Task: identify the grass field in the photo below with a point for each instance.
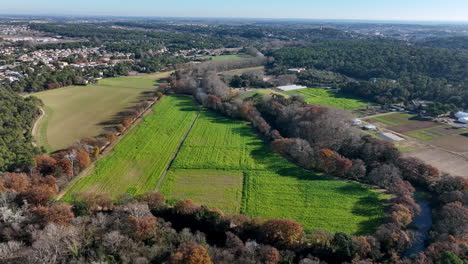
(138, 161)
(394, 119)
(273, 187)
(223, 164)
(219, 188)
(75, 112)
(330, 98)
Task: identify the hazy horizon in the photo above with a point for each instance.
(359, 10)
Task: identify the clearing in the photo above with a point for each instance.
(327, 97)
(76, 112)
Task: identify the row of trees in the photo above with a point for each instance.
(322, 138)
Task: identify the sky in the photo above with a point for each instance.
(419, 10)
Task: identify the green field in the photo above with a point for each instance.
(394, 119)
(273, 187)
(138, 161)
(75, 112)
(330, 98)
(223, 164)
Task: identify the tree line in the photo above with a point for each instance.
(406, 72)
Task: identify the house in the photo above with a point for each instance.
(373, 80)
(463, 120)
(461, 114)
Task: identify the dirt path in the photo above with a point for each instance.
(36, 124)
(174, 156)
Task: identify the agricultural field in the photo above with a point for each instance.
(441, 145)
(273, 187)
(75, 112)
(330, 98)
(139, 160)
(221, 163)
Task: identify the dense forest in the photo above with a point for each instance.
(407, 72)
(17, 115)
(458, 42)
(172, 40)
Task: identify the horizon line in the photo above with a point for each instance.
(230, 18)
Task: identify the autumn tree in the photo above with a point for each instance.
(45, 165)
(18, 182)
(285, 233)
(155, 200)
(143, 228)
(191, 253)
(83, 159)
(60, 214)
(186, 207)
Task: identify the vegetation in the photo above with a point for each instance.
(330, 98)
(420, 73)
(76, 112)
(139, 160)
(17, 115)
(273, 187)
(394, 119)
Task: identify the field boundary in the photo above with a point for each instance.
(174, 156)
(36, 123)
(107, 151)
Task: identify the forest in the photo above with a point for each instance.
(403, 72)
(17, 115)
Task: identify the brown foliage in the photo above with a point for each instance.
(401, 215)
(270, 255)
(58, 213)
(126, 122)
(45, 165)
(111, 137)
(66, 167)
(83, 159)
(155, 200)
(38, 194)
(18, 182)
(186, 207)
(96, 202)
(191, 253)
(334, 163)
(283, 232)
(143, 228)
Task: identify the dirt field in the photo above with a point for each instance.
(454, 143)
(445, 161)
(413, 125)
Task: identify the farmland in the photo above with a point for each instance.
(223, 164)
(273, 188)
(330, 98)
(144, 153)
(75, 112)
(442, 145)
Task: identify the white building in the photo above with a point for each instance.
(291, 87)
(461, 115)
(463, 120)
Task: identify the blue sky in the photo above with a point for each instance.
(434, 10)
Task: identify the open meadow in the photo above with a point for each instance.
(137, 162)
(330, 98)
(75, 112)
(223, 164)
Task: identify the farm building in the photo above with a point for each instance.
(391, 137)
(369, 127)
(357, 122)
(461, 115)
(291, 87)
(463, 120)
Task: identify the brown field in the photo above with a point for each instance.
(413, 125)
(453, 143)
(445, 161)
